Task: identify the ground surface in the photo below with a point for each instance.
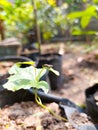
(30, 116)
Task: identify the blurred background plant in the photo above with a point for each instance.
(54, 18)
(84, 21)
(18, 17)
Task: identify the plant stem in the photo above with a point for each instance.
(39, 102)
(37, 78)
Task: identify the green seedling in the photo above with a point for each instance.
(29, 78)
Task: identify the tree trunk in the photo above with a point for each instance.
(37, 26)
(1, 29)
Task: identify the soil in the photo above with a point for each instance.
(79, 71)
(30, 116)
(4, 67)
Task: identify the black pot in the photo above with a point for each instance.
(91, 106)
(34, 56)
(15, 58)
(8, 97)
(54, 59)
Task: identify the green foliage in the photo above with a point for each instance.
(19, 17)
(95, 1)
(83, 19)
(28, 77)
(79, 31)
(16, 17)
(49, 17)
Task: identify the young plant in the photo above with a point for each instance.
(22, 78)
(29, 78)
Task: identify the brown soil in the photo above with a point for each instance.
(29, 116)
(4, 67)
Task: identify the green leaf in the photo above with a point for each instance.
(54, 71)
(28, 77)
(49, 67)
(85, 21)
(28, 72)
(17, 84)
(26, 62)
(40, 73)
(5, 3)
(75, 15)
(14, 69)
(95, 1)
(43, 85)
(25, 78)
(80, 32)
(91, 9)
